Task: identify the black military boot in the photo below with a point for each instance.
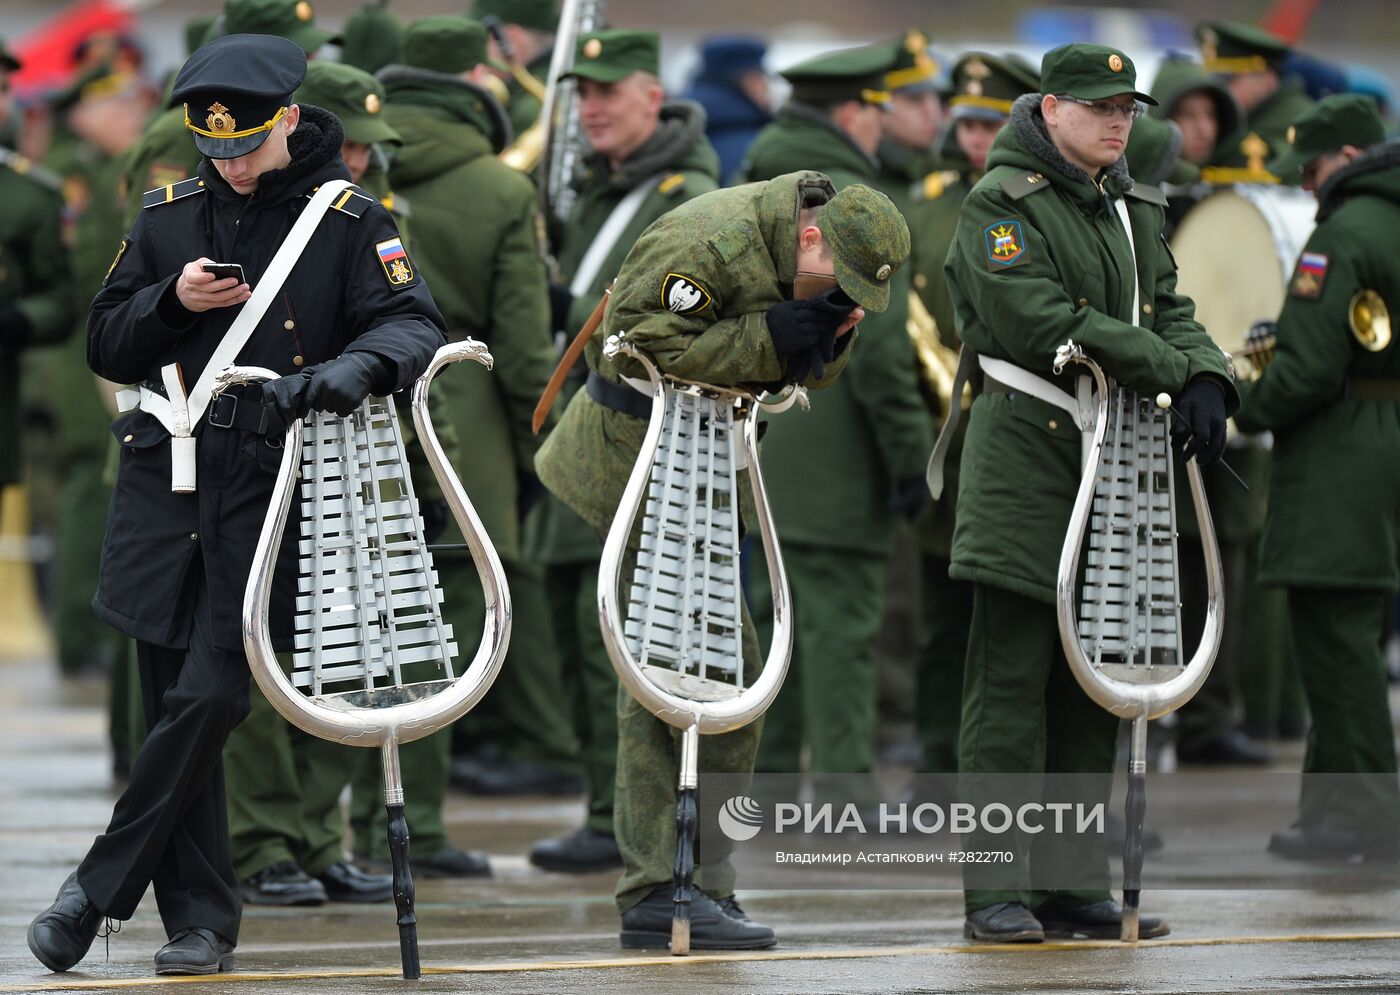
(195, 950)
(1005, 922)
(344, 882)
(1095, 920)
(61, 935)
(581, 852)
(451, 862)
(284, 883)
(647, 925)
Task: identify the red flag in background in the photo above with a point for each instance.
(47, 51)
(1289, 19)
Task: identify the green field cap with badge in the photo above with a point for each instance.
(869, 241)
(236, 89)
(352, 95)
(1229, 48)
(985, 86)
(835, 77)
(1328, 125)
(444, 43)
(608, 56)
(1089, 72)
(293, 19)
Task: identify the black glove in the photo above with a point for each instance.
(434, 514)
(1199, 428)
(343, 383)
(14, 329)
(284, 401)
(797, 325)
(909, 497)
(561, 302)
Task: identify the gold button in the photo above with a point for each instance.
(289, 324)
(1083, 302)
(128, 438)
(297, 360)
(201, 183)
(1054, 424)
(1147, 309)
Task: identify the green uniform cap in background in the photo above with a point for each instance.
(1230, 48)
(352, 95)
(868, 239)
(447, 43)
(538, 15)
(985, 86)
(371, 38)
(912, 69)
(197, 30)
(1326, 126)
(1154, 154)
(835, 77)
(294, 20)
(1089, 72)
(1178, 77)
(608, 56)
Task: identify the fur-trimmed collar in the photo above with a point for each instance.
(1035, 138)
(315, 150)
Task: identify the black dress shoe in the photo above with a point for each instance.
(61, 935)
(1097, 921)
(1005, 922)
(195, 950)
(1330, 842)
(511, 778)
(450, 862)
(730, 906)
(1230, 748)
(284, 883)
(344, 882)
(581, 852)
(647, 925)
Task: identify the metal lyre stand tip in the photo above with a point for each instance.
(373, 658)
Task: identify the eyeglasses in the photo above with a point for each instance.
(1107, 108)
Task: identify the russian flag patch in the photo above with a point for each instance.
(1309, 276)
(395, 261)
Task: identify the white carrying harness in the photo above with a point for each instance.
(179, 411)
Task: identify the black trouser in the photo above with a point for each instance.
(170, 826)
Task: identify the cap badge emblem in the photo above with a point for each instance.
(219, 119)
(883, 273)
(1115, 62)
(372, 103)
(304, 11)
(593, 48)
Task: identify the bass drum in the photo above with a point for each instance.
(1235, 252)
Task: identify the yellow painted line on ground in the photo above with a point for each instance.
(735, 957)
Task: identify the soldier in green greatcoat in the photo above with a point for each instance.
(744, 248)
(906, 151)
(649, 155)
(840, 475)
(983, 89)
(529, 26)
(1203, 108)
(1042, 258)
(1331, 396)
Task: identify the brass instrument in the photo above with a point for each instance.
(937, 363)
(563, 141)
(1370, 320)
(525, 151)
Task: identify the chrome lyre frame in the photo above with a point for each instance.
(1135, 702)
(693, 718)
(385, 728)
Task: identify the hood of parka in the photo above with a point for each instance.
(1025, 144)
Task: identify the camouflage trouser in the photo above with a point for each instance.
(648, 774)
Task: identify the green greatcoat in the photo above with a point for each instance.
(1074, 275)
(901, 169)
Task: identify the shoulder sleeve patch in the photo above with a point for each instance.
(398, 268)
(1024, 184)
(1308, 276)
(354, 202)
(730, 242)
(1005, 243)
(172, 192)
(683, 294)
(1149, 193)
(671, 184)
(121, 251)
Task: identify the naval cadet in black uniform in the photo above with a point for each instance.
(353, 318)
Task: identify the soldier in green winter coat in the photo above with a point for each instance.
(529, 26)
(837, 511)
(1203, 107)
(984, 87)
(1331, 397)
(906, 151)
(1041, 258)
(1250, 60)
(744, 248)
(649, 156)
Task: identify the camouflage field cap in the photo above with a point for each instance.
(538, 15)
(985, 86)
(1089, 72)
(614, 54)
(294, 20)
(869, 241)
(1229, 48)
(1326, 126)
(446, 43)
(352, 95)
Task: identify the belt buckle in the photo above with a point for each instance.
(223, 421)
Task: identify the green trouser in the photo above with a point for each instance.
(828, 698)
(947, 614)
(648, 781)
(588, 680)
(1024, 713)
(1269, 683)
(1338, 633)
(283, 793)
(83, 639)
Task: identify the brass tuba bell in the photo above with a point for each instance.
(1370, 320)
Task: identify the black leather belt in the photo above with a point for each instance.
(244, 411)
(1372, 389)
(618, 397)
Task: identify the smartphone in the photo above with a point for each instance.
(222, 271)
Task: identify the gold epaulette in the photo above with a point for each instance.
(172, 192)
(935, 184)
(671, 184)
